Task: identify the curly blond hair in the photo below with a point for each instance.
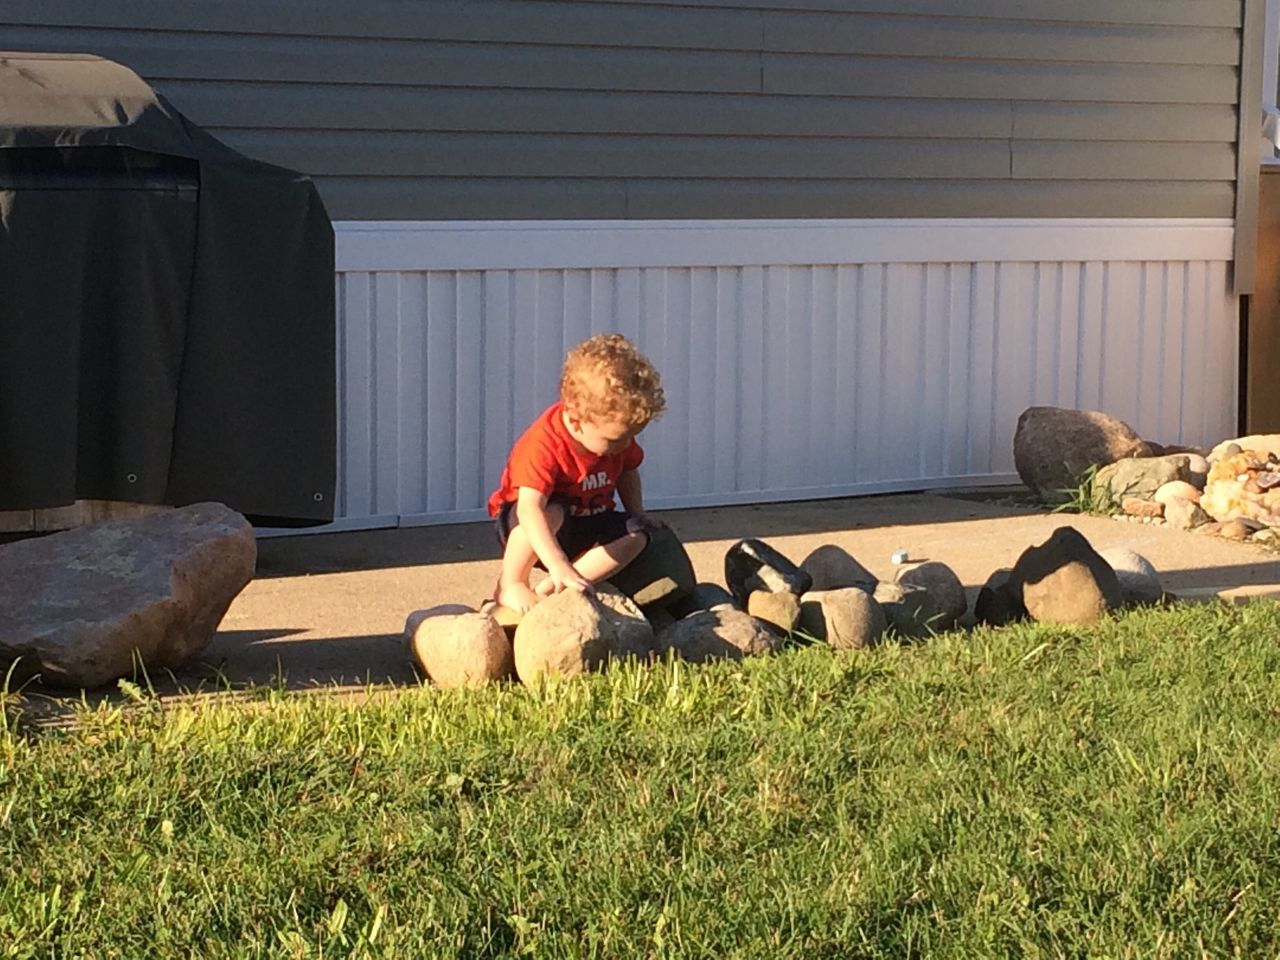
(607, 378)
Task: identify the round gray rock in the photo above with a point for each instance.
(847, 618)
(724, 633)
(1054, 446)
(1139, 581)
(566, 633)
(833, 568)
(947, 600)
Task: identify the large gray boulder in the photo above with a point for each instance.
(847, 618)
(1054, 446)
(724, 633)
(1064, 580)
(457, 647)
(80, 608)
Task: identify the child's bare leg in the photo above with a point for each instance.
(513, 589)
(602, 562)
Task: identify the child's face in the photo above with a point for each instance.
(605, 438)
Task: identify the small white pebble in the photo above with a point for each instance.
(898, 557)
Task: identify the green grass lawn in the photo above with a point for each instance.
(1110, 792)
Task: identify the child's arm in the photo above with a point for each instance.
(531, 511)
(632, 496)
(629, 491)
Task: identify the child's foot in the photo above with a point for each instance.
(516, 596)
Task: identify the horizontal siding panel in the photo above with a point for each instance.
(338, 107)
(306, 59)
(1065, 160)
(373, 198)
(935, 198)
(348, 198)
(380, 17)
(531, 155)
(874, 77)
(949, 38)
(1125, 121)
(1199, 13)
(587, 24)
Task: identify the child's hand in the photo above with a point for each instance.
(643, 523)
(566, 578)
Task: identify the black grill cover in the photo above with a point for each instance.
(166, 306)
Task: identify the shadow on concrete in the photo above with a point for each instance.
(464, 542)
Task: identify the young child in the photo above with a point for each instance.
(555, 503)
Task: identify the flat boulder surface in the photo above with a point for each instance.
(80, 607)
(1054, 446)
(724, 633)
(1064, 580)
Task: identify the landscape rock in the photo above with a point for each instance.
(847, 618)
(412, 621)
(999, 602)
(662, 573)
(719, 634)
(779, 610)
(1183, 514)
(459, 649)
(704, 596)
(505, 617)
(1064, 580)
(831, 567)
(754, 565)
(1235, 530)
(1054, 446)
(946, 596)
(80, 607)
(1141, 476)
(1263, 443)
(633, 634)
(1137, 507)
(1246, 486)
(1139, 581)
(1199, 467)
(906, 609)
(567, 633)
(1177, 488)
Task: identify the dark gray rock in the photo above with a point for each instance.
(704, 596)
(661, 574)
(998, 602)
(946, 596)
(754, 565)
(833, 568)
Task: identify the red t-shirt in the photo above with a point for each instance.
(549, 460)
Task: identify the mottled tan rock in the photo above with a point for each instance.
(780, 610)
(78, 608)
(1263, 443)
(459, 649)
(846, 618)
(565, 634)
(1182, 514)
(947, 602)
(1138, 507)
(718, 634)
(1235, 530)
(1245, 485)
(832, 568)
(1054, 446)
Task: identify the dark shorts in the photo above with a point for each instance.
(576, 535)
